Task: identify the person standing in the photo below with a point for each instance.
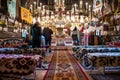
(47, 32)
(75, 36)
(24, 33)
(36, 33)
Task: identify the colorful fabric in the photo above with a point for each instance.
(64, 67)
(26, 15)
(17, 64)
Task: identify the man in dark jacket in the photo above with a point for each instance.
(36, 33)
(47, 32)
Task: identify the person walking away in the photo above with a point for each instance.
(36, 33)
(47, 33)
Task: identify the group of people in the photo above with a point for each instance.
(37, 33)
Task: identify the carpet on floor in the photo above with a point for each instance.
(63, 66)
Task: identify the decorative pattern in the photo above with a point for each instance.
(17, 64)
(25, 51)
(105, 59)
(11, 43)
(64, 67)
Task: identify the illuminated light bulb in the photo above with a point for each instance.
(67, 17)
(81, 19)
(73, 18)
(38, 19)
(34, 20)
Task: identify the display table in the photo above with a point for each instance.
(17, 64)
(12, 42)
(108, 59)
(94, 57)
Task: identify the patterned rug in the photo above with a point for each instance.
(63, 66)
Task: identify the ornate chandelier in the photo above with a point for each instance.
(79, 13)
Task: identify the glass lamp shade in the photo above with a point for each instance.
(67, 17)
